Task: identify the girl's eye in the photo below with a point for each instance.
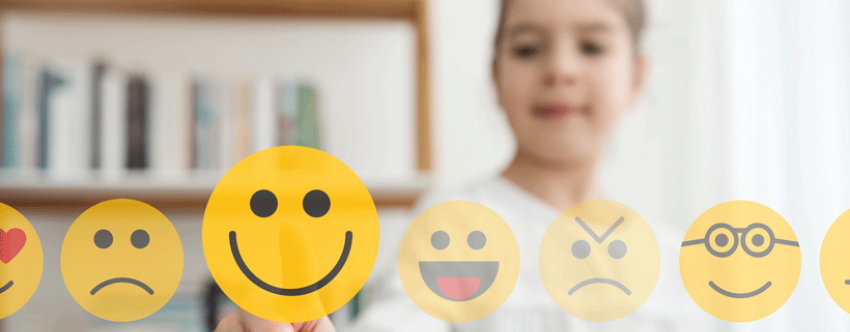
(591, 48)
(527, 51)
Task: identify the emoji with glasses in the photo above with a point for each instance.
(834, 255)
(740, 261)
(599, 260)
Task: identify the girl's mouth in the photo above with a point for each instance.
(555, 111)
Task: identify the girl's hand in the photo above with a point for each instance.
(242, 321)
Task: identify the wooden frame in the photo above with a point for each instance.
(414, 11)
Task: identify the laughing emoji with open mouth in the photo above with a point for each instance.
(458, 261)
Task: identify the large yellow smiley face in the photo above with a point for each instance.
(122, 260)
(599, 260)
(740, 261)
(458, 261)
(290, 234)
(21, 260)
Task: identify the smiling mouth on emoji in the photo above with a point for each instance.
(739, 295)
(6, 287)
(459, 281)
(120, 281)
(234, 248)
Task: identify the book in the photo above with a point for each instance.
(242, 120)
(48, 84)
(114, 124)
(9, 115)
(96, 127)
(70, 146)
(263, 110)
(206, 113)
(286, 112)
(308, 118)
(137, 122)
(28, 121)
(227, 130)
(169, 118)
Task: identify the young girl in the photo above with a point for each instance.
(565, 72)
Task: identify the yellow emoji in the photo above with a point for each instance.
(458, 261)
(290, 234)
(599, 260)
(834, 255)
(21, 258)
(740, 261)
(122, 260)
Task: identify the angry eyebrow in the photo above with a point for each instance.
(593, 234)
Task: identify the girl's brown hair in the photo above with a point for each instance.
(633, 10)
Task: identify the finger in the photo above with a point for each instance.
(320, 325)
(251, 323)
(230, 323)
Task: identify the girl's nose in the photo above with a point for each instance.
(562, 66)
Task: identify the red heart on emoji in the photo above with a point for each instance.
(11, 243)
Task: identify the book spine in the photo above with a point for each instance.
(9, 113)
(114, 124)
(308, 120)
(75, 139)
(29, 114)
(168, 131)
(4, 122)
(137, 117)
(263, 118)
(194, 162)
(227, 139)
(243, 120)
(97, 113)
(49, 83)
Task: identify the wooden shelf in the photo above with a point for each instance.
(414, 11)
(51, 195)
(387, 9)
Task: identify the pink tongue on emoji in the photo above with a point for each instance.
(459, 288)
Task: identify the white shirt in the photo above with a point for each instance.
(529, 308)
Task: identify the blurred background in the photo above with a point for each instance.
(155, 101)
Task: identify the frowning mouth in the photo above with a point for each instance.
(234, 248)
(611, 282)
(458, 281)
(119, 281)
(738, 295)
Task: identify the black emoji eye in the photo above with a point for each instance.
(476, 240)
(721, 240)
(140, 239)
(581, 249)
(440, 240)
(617, 249)
(103, 239)
(317, 203)
(263, 203)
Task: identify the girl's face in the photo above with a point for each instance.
(565, 72)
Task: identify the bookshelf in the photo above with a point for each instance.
(193, 193)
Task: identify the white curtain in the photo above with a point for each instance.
(769, 121)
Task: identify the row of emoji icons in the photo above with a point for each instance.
(600, 260)
(291, 234)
